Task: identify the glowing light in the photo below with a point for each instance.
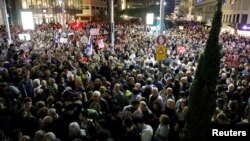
(123, 4)
(158, 3)
(245, 27)
(27, 20)
(125, 16)
(44, 11)
(199, 18)
(150, 19)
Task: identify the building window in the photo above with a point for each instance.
(24, 4)
(226, 18)
(39, 3)
(246, 4)
(232, 1)
(238, 18)
(97, 7)
(244, 18)
(93, 7)
(85, 7)
(230, 18)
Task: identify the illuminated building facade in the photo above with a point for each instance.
(138, 3)
(94, 9)
(203, 10)
(91, 8)
(236, 14)
(45, 10)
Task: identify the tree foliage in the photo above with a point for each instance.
(202, 92)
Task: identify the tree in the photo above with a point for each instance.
(202, 92)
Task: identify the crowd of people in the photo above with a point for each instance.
(50, 89)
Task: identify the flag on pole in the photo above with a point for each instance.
(89, 48)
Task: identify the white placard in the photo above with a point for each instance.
(27, 20)
(181, 27)
(100, 43)
(94, 31)
(150, 19)
(24, 36)
(63, 40)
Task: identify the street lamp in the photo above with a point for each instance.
(112, 24)
(199, 18)
(62, 4)
(158, 3)
(161, 16)
(5, 18)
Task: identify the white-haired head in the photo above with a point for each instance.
(74, 129)
(230, 87)
(52, 113)
(50, 136)
(36, 83)
(171, 103)
(39, 134)
(97, 93)
(96, 96)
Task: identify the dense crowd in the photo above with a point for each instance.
(52, 90)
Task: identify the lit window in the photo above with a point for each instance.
(24, 4)
(85, 7)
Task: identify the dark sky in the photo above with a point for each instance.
(170, 6)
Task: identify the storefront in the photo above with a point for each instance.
(52, 10)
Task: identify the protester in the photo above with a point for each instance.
(63, 82)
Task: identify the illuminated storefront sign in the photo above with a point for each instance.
(245, 27)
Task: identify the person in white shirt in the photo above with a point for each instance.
(146, 130)
(162, 132)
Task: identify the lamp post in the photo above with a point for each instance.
(112, 24)
(161, 16)
(199, 19)
(62, 3)
(5, 18)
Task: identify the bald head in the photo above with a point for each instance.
(25, 138)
